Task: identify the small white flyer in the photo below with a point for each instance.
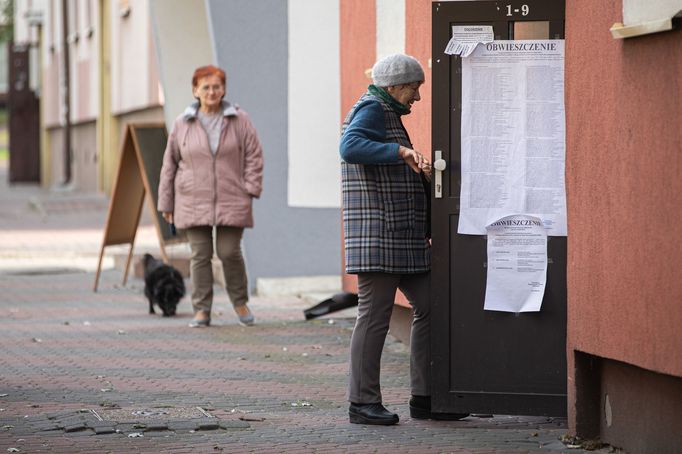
(517, 264)
(465, 38)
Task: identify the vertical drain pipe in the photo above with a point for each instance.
(66, 92)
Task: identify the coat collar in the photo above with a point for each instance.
(229, 110)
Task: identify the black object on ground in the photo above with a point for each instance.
(338, 302)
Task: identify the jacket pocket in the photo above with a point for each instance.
(399, 214)
(183, 185)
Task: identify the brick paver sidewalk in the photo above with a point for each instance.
(84, 372)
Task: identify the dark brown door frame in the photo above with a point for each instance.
(484, 361)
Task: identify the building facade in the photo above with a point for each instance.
(297, 66)
(623, 168)
(623, 142)
(132, 61)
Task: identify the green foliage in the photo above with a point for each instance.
(7, 20)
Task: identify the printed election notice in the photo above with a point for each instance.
(517, 264)
(465, 38)
(513, 134)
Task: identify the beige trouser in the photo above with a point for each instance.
(229, 251)
(376, 296)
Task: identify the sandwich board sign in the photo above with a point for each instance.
(137, 180)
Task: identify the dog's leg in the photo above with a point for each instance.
(151, 307)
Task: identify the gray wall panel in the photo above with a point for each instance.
(250, 39)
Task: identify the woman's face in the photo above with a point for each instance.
(210, 91)
(406, 94)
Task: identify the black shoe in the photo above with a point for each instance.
(420, 408)
(371, 414)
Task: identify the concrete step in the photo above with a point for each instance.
(298, 286)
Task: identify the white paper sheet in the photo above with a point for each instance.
(517, 264)
(465, 38)
(513, 135)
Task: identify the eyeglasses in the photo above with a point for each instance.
(208, 88)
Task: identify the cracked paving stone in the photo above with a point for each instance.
(82, 433)
(128, 427)
(183, 425)
(209, 426)
(234, 425)
(156, 427)
(47, 427)
(59, 414)
(75, 427)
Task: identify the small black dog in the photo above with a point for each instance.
(163, 285)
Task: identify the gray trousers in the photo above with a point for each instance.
(229, 251)
(376, 295)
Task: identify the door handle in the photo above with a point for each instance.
(439, 165)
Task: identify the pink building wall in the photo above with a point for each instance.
(624, 186)
(358, 53)
(418, 44)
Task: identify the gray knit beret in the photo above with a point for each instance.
(397, 69)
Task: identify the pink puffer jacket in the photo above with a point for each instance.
(202, 189)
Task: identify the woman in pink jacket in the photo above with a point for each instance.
(212, 169)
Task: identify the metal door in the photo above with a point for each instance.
(485, 361)
(24, 120)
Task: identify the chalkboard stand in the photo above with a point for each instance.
(137, 179)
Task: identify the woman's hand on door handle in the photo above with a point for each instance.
(417, 161)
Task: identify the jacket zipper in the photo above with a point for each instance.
(215, 178)
(213, 173)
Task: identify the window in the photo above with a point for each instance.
(530, 30)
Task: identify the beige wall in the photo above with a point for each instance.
(134, 75)
(83, 143)
(134, 80)
(50, 93)
(313, 178)
(55, 140)
(84, 56)
(151, 115)
(83, 45)
(52, 76)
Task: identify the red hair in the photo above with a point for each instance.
(206, 71)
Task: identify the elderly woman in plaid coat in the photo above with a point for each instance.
(385, 185)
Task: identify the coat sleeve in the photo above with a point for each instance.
(169, 168)
(253, 158)
(363, 141)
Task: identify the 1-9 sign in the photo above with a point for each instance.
(525, 9)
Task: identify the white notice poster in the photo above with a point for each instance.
(517, 264)
(513, 134)
(465, 38)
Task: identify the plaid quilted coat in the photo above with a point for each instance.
(384, 209)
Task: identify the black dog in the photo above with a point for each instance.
(163, 285)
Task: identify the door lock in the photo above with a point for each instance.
(439, 165)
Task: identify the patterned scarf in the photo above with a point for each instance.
(400, 108)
